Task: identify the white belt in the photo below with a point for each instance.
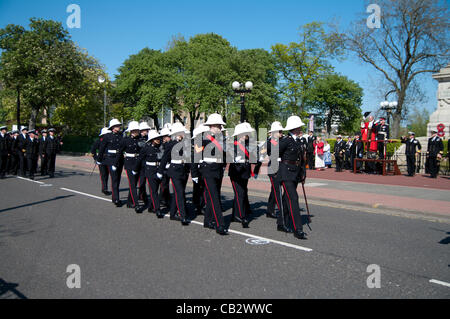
(210, 160)
(177, 161)
(131, 155)
(151, 163)
(112, 151)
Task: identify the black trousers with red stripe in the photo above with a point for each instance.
(115, 182)
(141, 186)
(213, 212)
(164, 194)
(241, 205)
(133, 199)
(104, 175)
(178, 203)
(198, 192)
(274, 197)
(153, 186)
(291, 208)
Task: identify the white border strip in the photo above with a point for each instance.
(89, 195)
(442, 283)
(263, 238)
(29, 180)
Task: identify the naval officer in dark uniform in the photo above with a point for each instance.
(292, 171)
(108, 155)
(413, 148)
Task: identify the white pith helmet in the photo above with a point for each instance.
(104, 131)
(293, 122)
(215, 119)
(133, 126)
(243, 128)
(276, 127)
(114, 122)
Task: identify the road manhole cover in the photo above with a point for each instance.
(257, 241)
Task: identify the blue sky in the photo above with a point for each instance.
(112, 30)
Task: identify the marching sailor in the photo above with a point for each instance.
(108, 155)
(164, 194)
(175, 155)
(4, 151)
(103, 169)
(149, 159)
(142, 192)
(435, 151)
(31, 148)
(21, 140)
(240, 171)
(212, 168)
(129, 147)
(339, 150)
(52, 146)
(198, 193)
(292, 171)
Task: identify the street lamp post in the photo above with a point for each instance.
(101, 80)
(242, 89)
(388, 107)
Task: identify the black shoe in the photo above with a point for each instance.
(221, 231)
(271, 215)
(139, 209)
(107, 193)
(283, 229)
(150, 209)
(184, 222)
(32, 178)
(118, 203)
(176, 218)
(300, 235)
(159, 215)
(52, 176)
(245, 223)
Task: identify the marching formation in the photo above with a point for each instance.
(164, 160)
(20, 152)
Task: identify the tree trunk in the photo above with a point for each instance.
(18, 108)
(396, 118)
(33, 116)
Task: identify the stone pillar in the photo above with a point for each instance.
(442, 114)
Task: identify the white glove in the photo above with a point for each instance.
(195, 180)
(114, 168)
(134, 173)
(238, 159)
(98, 163)
(159, 175)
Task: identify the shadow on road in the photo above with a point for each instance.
(445, 241)
(35, 203)
(9, 291)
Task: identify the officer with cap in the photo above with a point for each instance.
(108, 155)
(4, 151)
(240, 171)
(292, 171)
(212, 169)
(14, 158)
(148, 158)
(52, 146)
(31, 153)
(175, 153)
(21, 141)
(129, 147)
(271, 149)
(144, 128)
(42, 155)
(103, 169)
(339, 151)
(435, 151)
(413, 148)
(382, 135)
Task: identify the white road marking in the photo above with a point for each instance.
(29, 180)
(201, 224)
(263, 238)
(89, 195)
(442, 283)
(315, 184)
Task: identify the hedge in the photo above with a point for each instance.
(78, 144)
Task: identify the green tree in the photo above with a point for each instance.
(418, 121)
(413, 39)
(300, 64)
(43, 63)
(336, 98)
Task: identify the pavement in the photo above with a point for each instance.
(50, 226)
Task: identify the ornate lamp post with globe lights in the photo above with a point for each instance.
(242, 89)
(101, 80)
(388, 107)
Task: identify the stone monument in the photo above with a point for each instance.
(440, 119)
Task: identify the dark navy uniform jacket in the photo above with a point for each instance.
(4, 145)
(129, 147)
(293, 161)
(31, 147)
(411, 146)
(149, 159)
(242, 168)
(109, 149)
(435, 146)
(178, 167)
(212, 149)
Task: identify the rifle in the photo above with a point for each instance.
(307, 207)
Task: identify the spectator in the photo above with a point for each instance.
(319, 153)
(327, 154)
